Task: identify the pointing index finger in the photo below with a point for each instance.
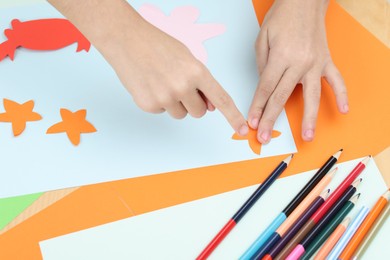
(224, 103)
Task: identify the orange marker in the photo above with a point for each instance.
(358, 237)
(332, 240)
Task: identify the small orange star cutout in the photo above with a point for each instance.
(19, 115)
(73, 124)
(254, 144)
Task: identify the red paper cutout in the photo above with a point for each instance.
(43, 34)
(73, 124)
(19, 115)
(254, 144)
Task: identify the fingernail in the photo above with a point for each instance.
(255, 123)
(309, 134)
(265, 136)
(243, 131)
(346, 108)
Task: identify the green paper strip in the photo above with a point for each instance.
(10, 208)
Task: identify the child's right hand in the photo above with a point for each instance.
(159, 71)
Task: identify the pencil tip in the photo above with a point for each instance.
(387, 195)
(342, 149)
(346, 221)
(355, 198)
(288, 159)
(365, 160)
(357, 182)
(333, 172)
(325, 194)
(337, 154)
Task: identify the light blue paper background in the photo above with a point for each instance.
(129, 142)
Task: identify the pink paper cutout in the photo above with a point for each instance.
(43, 34)
(181, 24)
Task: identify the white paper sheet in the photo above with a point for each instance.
(182, 231)
(128, 142)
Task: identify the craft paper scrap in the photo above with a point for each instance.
(10, 208)
(254, 144)
(73, 124)
(40, 35)
(181, 24)
(128, 142)
(18, 115)
(182, 231)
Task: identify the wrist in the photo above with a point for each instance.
(107, 24)
(317, 7)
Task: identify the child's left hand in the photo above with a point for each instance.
(291, 49)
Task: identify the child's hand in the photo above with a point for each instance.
(291, 49)
(159, 71)
(163, 75)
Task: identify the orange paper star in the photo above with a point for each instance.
(19, 115)
(73, 124)
(254, 144)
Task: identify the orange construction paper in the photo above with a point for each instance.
(18, 115)
(364, 63)
(73, 124)
(43, 34)
(65, 212)
(254, 144)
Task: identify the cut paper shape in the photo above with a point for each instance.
(254, 144)
(10, 208)
(181, 24)
(19, 115)
(73, 124)
(42, 35)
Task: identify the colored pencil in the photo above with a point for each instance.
(245, 208)
(282, 230)
(374, 230)
(313, 223)
(357, 221)
(297, 224)
(299, 248)
(328, 230)
(357, 238)
(276, 230)
(340, 189)
(332, 240)
(321, 217)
